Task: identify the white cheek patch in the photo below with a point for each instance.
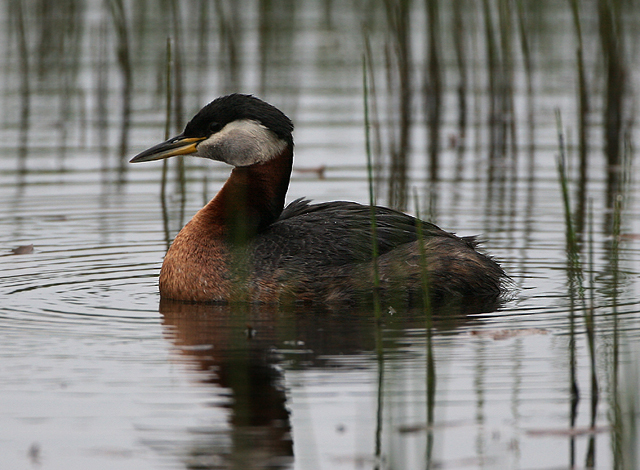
(242, 143)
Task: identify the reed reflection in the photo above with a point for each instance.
(120, 20)
(230, 28)
(17, 14)
(433, 89)
(399, 88)
(277, 50)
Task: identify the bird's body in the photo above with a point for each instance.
(243, 246)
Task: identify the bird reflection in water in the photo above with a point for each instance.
(243, 362)
(241, 349)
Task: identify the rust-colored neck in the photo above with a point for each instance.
(251, 199)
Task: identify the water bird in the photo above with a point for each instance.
(246, 245)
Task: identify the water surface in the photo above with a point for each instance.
(97, 372)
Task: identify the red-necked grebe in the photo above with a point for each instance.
(245, 245)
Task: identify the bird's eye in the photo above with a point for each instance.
(214, 127)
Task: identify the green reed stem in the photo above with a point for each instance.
(377, 310)
(574, 277)
(589, 317)
(424, 273)
(379, 398)
(572, 239)
(618, 434)
(431, 368)
(167, 134)
(374, 225)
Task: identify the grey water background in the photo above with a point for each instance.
(465, 99)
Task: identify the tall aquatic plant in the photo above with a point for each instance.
(575, 284)
(611, 38)
(583, 114)
(167, 135)
(573, 251)
(576, 289)
(377, 308)
(617, 419)
(430, 358)
(590, 325)
(372, 202)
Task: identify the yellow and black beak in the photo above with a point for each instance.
(179, 145)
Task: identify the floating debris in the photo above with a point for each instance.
(318, 171)
(498, 335)
(34, 453)
(22, 250)
(568, 432)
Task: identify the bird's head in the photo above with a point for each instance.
(240, 130)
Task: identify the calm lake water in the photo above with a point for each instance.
(96, 372)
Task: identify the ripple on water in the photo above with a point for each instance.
(95, 262)
(98, 283)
